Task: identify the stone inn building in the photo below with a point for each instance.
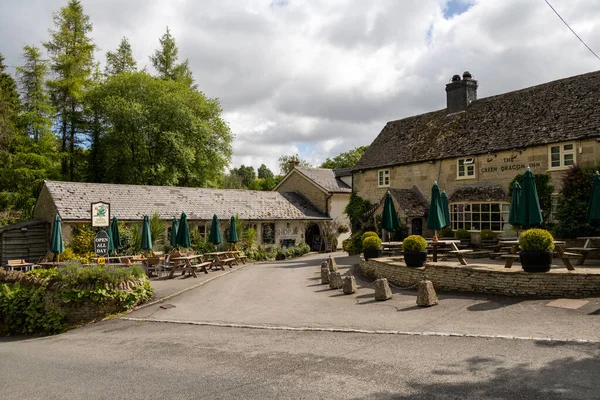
(278, 217)
(474, 148)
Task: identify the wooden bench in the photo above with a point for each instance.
(496, 254)
(459, 254)
(242, 258)
(510, 258)
(584, 251)
(228, 261)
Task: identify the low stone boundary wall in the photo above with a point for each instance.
(482, 279)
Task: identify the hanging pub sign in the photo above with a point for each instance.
(101, 244)
(100, 214)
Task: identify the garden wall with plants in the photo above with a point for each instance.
(49, 301)
(478, 279)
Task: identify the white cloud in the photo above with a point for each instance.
(319, 77)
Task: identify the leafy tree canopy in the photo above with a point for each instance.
(287, 163)
(264, 172)
(345, 160)
(246, 174)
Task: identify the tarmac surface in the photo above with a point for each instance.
(290, 294)
(272, 331)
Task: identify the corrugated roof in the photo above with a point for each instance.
(326, 178)
(553, 112)
(131, 202)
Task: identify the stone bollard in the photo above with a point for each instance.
(324, 275)
(332, 264)
(426, 296)
(349, 285)
(382, 290)
(335, 280)
(325, 263)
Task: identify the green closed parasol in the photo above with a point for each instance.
(436, 219)
(56, 242)
(514, 204)
(389, 219)
(116, 236)
(529, 213)
(174, 225)
(593, 211)
(233, 236)
(146, 235)
(445, 209)
(183, 232)
(215, 233)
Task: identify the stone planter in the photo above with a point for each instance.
(415, 259)
(372, 253)
(536, 261)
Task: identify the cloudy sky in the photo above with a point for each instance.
(318, 77)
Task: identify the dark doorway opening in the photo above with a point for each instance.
(416, 226)
(313, 237)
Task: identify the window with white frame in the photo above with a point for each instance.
(383, 177)
(476, 216)
(465, 168)
(561, 155)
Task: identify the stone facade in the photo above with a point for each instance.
(478, 279)
(295, 182)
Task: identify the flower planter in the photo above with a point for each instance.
(372, 253)
(415, 259)
(536, 261)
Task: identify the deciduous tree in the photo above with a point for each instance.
(345, 160)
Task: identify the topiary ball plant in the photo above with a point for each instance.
(487, 234)
(414, 243)
(536, 250)
(462, 234)
(371, 242)
(536, 240)
(368, 234)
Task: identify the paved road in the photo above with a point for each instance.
(134, 360)
(126, 359)
(290, 294)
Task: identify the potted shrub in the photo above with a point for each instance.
(372, 247)
(464, 236)
(415, 251)
(367, 234)
(446, 233)
(488, 238)
(536, 250)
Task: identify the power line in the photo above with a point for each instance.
(571, 29)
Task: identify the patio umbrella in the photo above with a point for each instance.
(56, 242)
(529, 213)
(183, 232)
(174, 232)
(111, 243)
(445, 209)
(233, 236)
(436, 219)
(215, 233)
(593, 212)
(389, 219)
(116, 236)
(146, 235)
(514, 205)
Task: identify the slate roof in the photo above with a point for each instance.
(326, 178)
(132, 202)
(339, 172)
(410, 201)
(562, 110)
(478, 192)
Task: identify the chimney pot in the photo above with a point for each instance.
(460, 93)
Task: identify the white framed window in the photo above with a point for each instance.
(561, 155)
(477, 216)
(465, 168)
(383, 177)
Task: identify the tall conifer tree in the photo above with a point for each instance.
(72, 61)
(164, 60)
(120, 60)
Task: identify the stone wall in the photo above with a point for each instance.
(497, 168)
(479, 279)
(295, 182)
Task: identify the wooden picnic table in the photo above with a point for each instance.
(453, 249)
(221, 258)
(585, 250)
(188, 266)
(20, 266)
(558, 247)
